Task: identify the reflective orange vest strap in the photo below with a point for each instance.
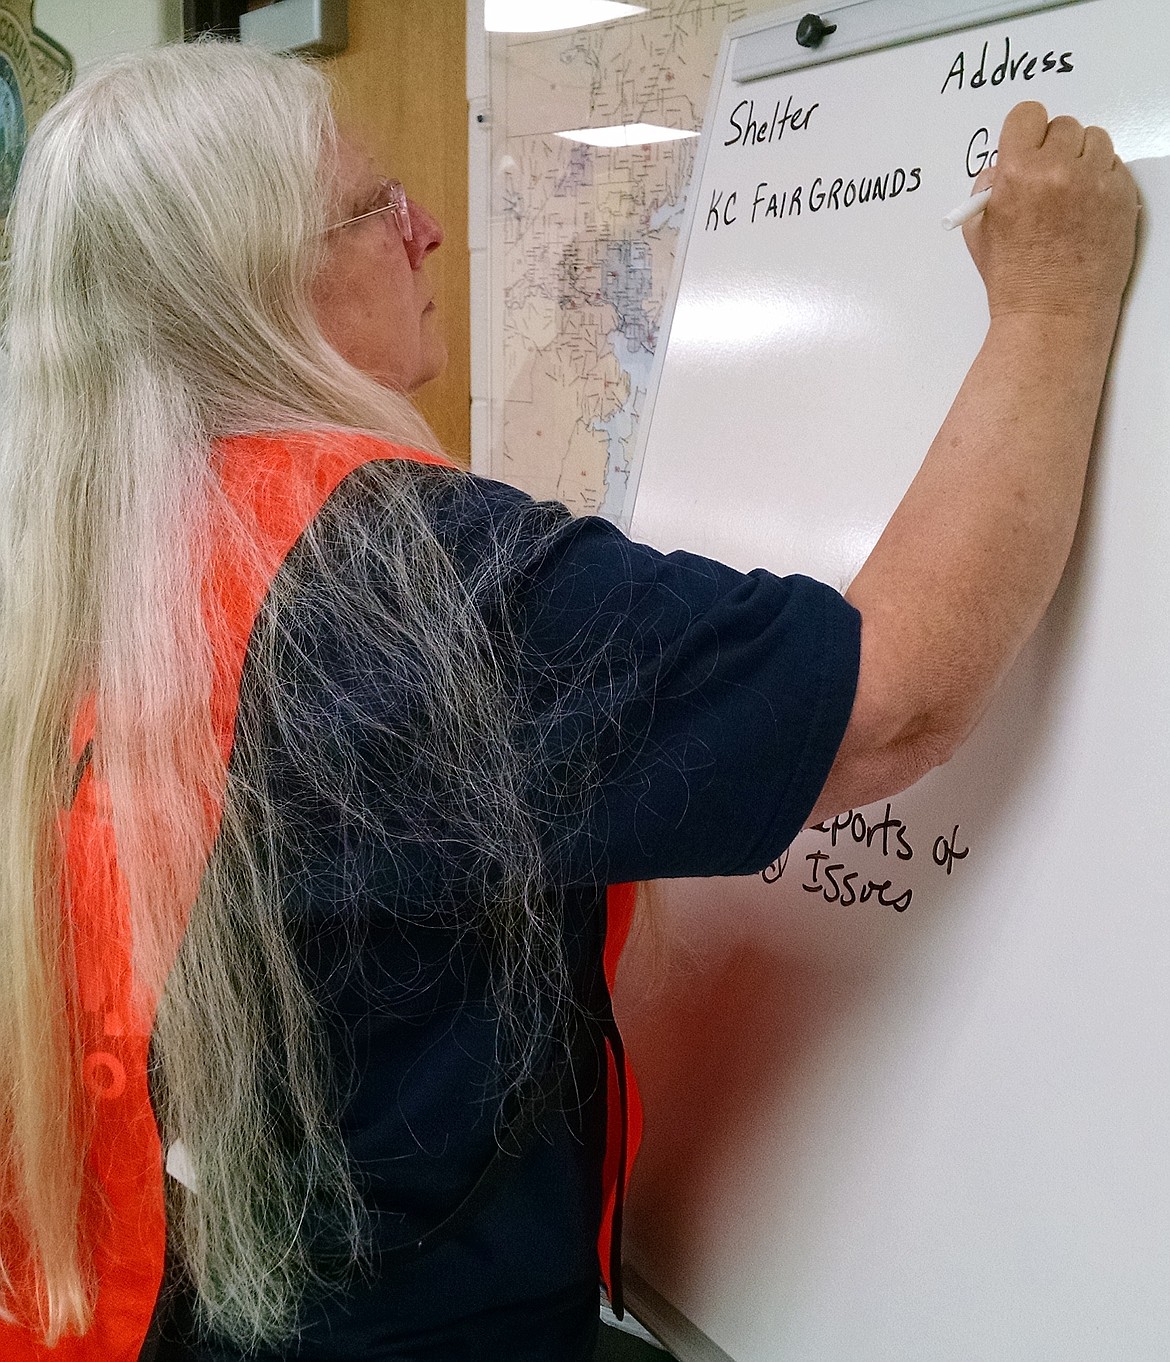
(624, 1105)
(276, 485)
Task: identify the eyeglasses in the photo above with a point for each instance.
(391, 199)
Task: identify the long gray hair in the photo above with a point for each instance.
(166, 230)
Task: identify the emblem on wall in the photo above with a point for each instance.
(34, 73)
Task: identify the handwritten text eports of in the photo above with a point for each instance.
(829, 874)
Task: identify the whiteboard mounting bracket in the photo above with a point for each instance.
(860, 26)
(318, 28)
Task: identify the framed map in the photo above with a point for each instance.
(583, 238)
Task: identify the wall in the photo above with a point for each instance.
(401, 86)
(91, 30)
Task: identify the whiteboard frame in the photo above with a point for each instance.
(773, 51)
(887, 23)
(686, 1341)
(771, 38)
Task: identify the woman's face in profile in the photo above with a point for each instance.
(372, 296)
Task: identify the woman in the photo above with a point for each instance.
(321, 754)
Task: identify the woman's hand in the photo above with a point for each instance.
(971, 557)
(1057, 236)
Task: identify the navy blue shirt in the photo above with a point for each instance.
(680, 717)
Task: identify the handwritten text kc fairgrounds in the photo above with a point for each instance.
(824, 193)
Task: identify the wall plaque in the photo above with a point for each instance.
(34, 73)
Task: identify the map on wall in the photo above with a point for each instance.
(586, 236)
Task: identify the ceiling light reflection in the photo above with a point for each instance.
(729, 322)
(626, 135)
(546, 16)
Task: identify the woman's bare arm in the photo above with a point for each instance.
(971, 557)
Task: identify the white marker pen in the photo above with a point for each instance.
(966, 211)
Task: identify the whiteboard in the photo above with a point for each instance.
(931, 1120)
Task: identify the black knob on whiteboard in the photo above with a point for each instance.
(812, 30)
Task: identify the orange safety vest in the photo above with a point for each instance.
(277, 484)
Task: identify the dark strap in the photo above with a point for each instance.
(79, 771)
(617, 1051)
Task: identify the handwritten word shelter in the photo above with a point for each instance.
(750, 132)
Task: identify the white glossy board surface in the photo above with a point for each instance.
(933, 1126)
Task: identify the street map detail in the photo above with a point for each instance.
(588, 238)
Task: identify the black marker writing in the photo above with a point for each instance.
(771, 873)
(717, 198)
(980, 153)
(1023, 66)
(946, 851)
(861, 831)
(749, 131)
(837, 887)
(830, 194)
(829, 875)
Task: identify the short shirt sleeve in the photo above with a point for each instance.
(684, 715)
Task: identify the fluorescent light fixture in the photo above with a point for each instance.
(626, 135)
(544, 16)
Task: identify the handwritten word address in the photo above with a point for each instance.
(1022, 66)
(828, 874)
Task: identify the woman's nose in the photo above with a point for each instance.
(426, 234)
